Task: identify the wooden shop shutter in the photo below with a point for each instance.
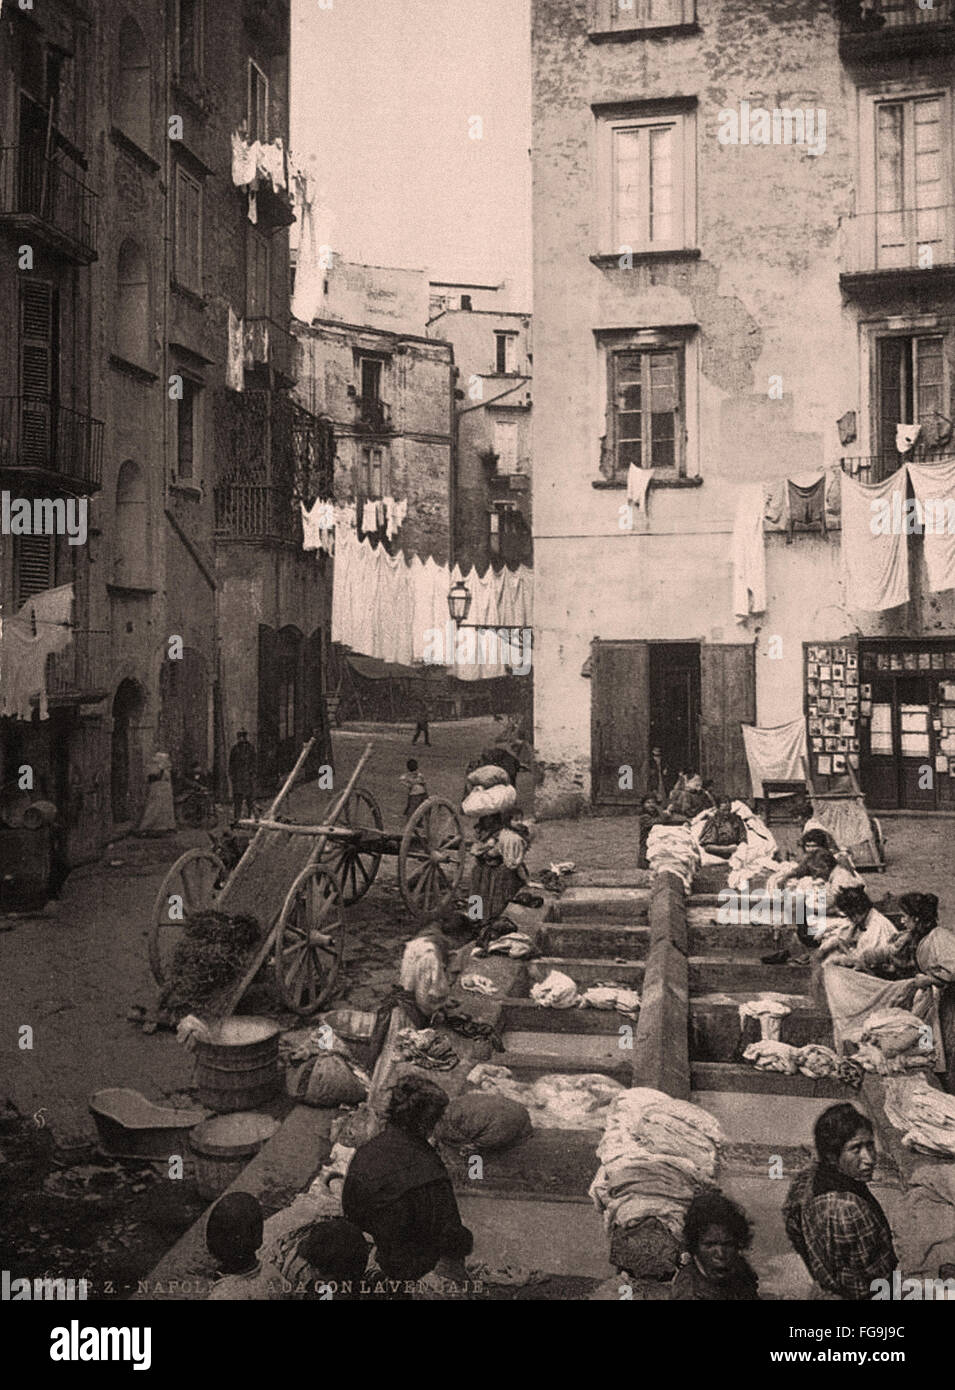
(620, 725)
(727, 700)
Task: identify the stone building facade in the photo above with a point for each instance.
(118, 124)
(727, 294)
(493, 353)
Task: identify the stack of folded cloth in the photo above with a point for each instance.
(672, 849)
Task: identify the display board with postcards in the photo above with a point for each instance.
(833, 699)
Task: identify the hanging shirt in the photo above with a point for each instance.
(749, 553)
(235, 354)
(807, 503)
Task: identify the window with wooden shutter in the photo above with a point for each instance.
(38, 371)
(34, 566)
(188, 241)
(258, 104)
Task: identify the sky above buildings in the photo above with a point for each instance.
(384, 96)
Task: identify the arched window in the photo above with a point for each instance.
(133, 114)
(130, 546)
(132, 305)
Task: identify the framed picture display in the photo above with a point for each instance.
(838, 762)
(838, 671)
(824, 764)
(865, 692)
(839, 654)
(852, 677)
(852, 661)
(817, 745)
(825, 673)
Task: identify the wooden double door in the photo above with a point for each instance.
(687, 698)
(898, 756)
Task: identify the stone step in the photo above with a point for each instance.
(549, 1163)
(707, 939)
(594, 939)
(719, 971)
(529, 1055)
(558, 1237)
(735, 1076)
(525, 1016)
(631, 904)
(588, 971)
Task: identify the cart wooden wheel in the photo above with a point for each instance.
(190, 886)
(354, 867)
(431, 857)
(310, 940)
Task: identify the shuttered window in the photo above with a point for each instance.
(188, 243)
(37, 301)
(34, 566)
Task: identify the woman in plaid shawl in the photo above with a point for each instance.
(832, 1218)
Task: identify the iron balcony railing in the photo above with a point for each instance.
(45, 192)
(80, 668)
(38, 435)
(373, 414)
(256, 511)
(899, 239)
(875, 468)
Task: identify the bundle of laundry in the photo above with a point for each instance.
(769, 1011)
(327, 1080)
(751, 865)
(426, 1048)
(817, 1060)
(924, 1114)
(645, 1184)
(516, 944)
(480, 1121)
(609, 996)
(643, 1118)
(554, 1101)
(773, 1056)
(655, 1154)
(557, 991)
(672, 849)
(490, 775)
(490, 801)
(478, 984)
(894, 1031)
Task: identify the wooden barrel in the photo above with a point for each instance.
(239, 1068)
(224, 1145)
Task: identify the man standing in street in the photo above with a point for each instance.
(422, 714)
(242, 775)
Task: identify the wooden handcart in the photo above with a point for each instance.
(298, 881)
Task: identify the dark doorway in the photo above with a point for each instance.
(127, 713)
(898, 750)
(675, 705)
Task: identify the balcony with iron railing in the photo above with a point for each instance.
(80, 672)
(50, 445)
(42, 198)
(372, 414)
(256, 512)
(873, 30)
(904, 245)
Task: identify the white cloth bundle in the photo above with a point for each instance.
(894, 1031)
(770, 1013)
(925, 1114)
(625, 1001)
(490, 775)
(557, 991)
(672, 848)
(643, 1118)
(490, 801)
(773, 1056)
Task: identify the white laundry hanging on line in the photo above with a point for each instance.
(875, 561)
(749, 553)
(235, 353)
(243, 161)
(23, 652)
(934, 487)
(318, 526)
